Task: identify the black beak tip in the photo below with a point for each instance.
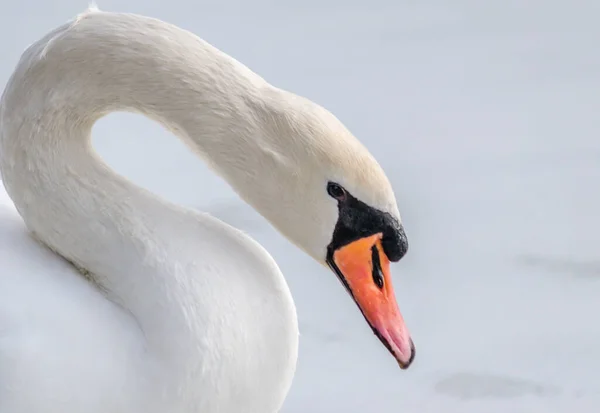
(413, 353)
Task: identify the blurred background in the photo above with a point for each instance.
(485, 115)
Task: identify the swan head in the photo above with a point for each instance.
(321, 188)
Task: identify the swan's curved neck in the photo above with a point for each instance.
(140, 251)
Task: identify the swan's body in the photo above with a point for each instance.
(175, 311)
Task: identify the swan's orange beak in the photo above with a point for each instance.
(364, 269)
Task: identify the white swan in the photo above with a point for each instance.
(175, 311)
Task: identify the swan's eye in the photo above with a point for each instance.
(336, 191)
